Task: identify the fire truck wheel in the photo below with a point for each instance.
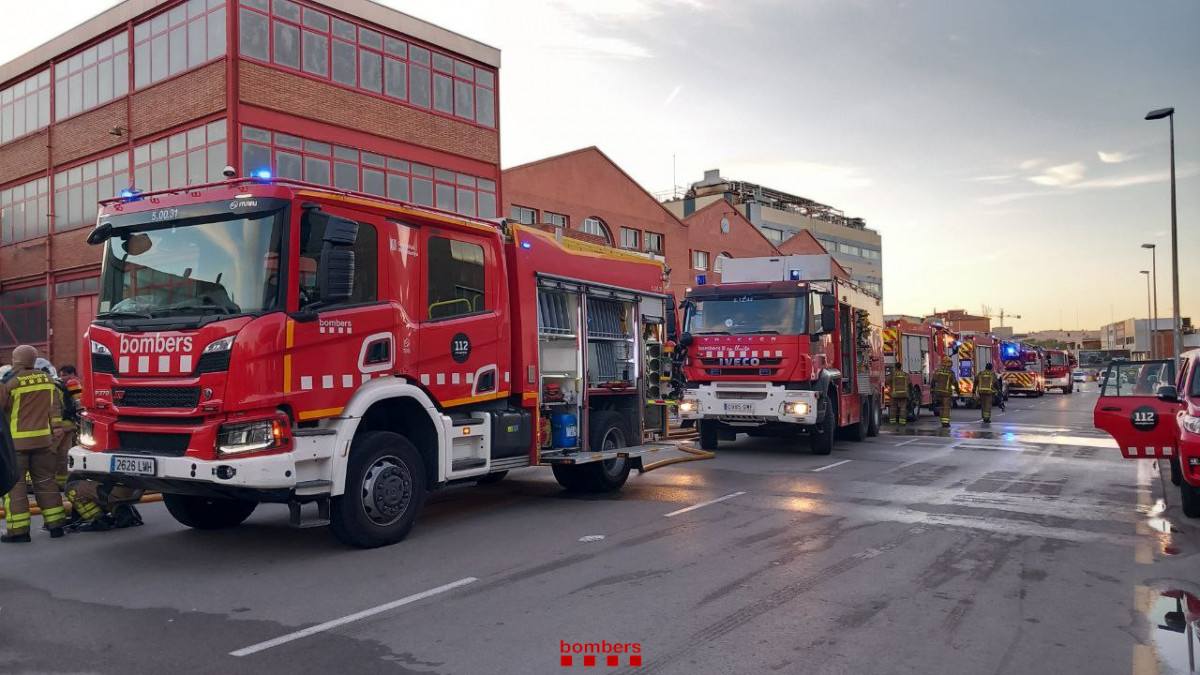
(1191, 499)
(821, 437)
(876, 418)
(1176, 472)
(202, 513)
(492, 478)
(607, 433)
(385, 490)
(709, 435)
(857, 432)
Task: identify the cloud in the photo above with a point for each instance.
(994, 179)
(671, 97)
(1061, 175)
(1030, 164)
(1114, 157)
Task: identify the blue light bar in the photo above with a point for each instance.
(262, 174)
(526, 245)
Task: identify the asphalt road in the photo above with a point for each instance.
(1029, 547)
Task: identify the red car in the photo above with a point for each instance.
(1153, 414)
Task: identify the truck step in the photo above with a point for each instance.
(299, 519)
(467, 463)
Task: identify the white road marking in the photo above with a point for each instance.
(321, 628)
(591, 537)
(901, 445)
(702, 504)
(830, 466)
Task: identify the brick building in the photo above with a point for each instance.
(156, 94)
(586, 195)
(962, 320)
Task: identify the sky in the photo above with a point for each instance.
(998, 147)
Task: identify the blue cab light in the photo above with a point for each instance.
(131, 194)
(526, 245)
(263, 174)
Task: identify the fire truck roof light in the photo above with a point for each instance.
(526, 245)
(263, 174)
(131, 194)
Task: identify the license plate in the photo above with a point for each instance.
(739, 407)
(138, 466)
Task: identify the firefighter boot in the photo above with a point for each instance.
(16, 538)
(125, 515)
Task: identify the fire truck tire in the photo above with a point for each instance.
(607, 433)
(876, 419)
(1069, 389)
(709, 434)
(1176, 472)
(202, 513)
(857, 432)
(821, 438)
(492, 478)
(1190, 497)
(385, 490)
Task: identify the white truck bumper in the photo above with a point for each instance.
(268, 472)
(749, 404)
(1057, 382)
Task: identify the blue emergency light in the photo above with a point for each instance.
(701, 279)
(262, 174)
(131, 194)
(1010, 350)
(526, 245)
(795, 275)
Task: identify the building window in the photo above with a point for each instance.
(849, 249)
(555, 219)
(456, 278)
(92, 77)
(719, 263)
(773, 234)
(186, 36)
(77, 191)
(829, 245)
(86, 286)
(310, 41)
(629, 239)
(523, 215)
(595, 226)
(870, 254)
(24, 211)
(654, 243)
(360, 171)
(25, 107)
(22, 317)
(700, 260)
(189, 157)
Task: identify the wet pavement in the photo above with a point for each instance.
(1026, 546)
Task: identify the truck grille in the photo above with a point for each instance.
(166, 445)
(213, 362)
(156, 397)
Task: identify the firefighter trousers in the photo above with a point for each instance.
(92, 500)
(61, 449)
(40, 464)
(945, 405)
(899, 410)
(985, 405)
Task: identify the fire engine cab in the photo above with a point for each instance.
(782, 345)
(263, 341)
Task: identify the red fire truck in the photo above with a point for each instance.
(911, 346)
(783, 344)
(265, 341)
(1059, 373)
(973, 351)
(1023, 367)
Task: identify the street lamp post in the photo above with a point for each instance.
(1154, 274)
(1152, 327)
(1158, 115)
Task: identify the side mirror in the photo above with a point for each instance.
(828, 319)
(686, 340)
(1167, 393)
(672, 320)
(335, 274)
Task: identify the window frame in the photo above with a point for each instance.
(38, 194)
(605, 231)
(139, 39)
(637, 238)
(10, 101)
(661, 242)
(364, 221)
(44, 301)
(64, 182)
(552, 218)
(75, 65)
(695, 260)
(519, 212)
(209, 144)
(452, 236)
(391, 47)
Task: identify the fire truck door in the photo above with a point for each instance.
(461, 318)
(1129, 410)
(334, 347)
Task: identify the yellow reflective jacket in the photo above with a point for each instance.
(900, 382)
(33, 408)
(985, 382)
(944, 382)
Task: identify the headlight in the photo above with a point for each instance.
(98, 348)
(687, 406)
(796, 408)
(243, 437)
(86, 432)
(1191, 424)
(222, 345)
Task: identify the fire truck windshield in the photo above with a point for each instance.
(225, 264)
(1057, 359)
(747, 315)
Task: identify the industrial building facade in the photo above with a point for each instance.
(781, 216)
(156, 94)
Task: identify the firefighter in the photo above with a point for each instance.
(103, 506)
(33, 406)
(985, 390)
(899, 395)
(71, 391)
(945, 386)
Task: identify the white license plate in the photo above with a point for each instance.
(138, 466)
(739, 407)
